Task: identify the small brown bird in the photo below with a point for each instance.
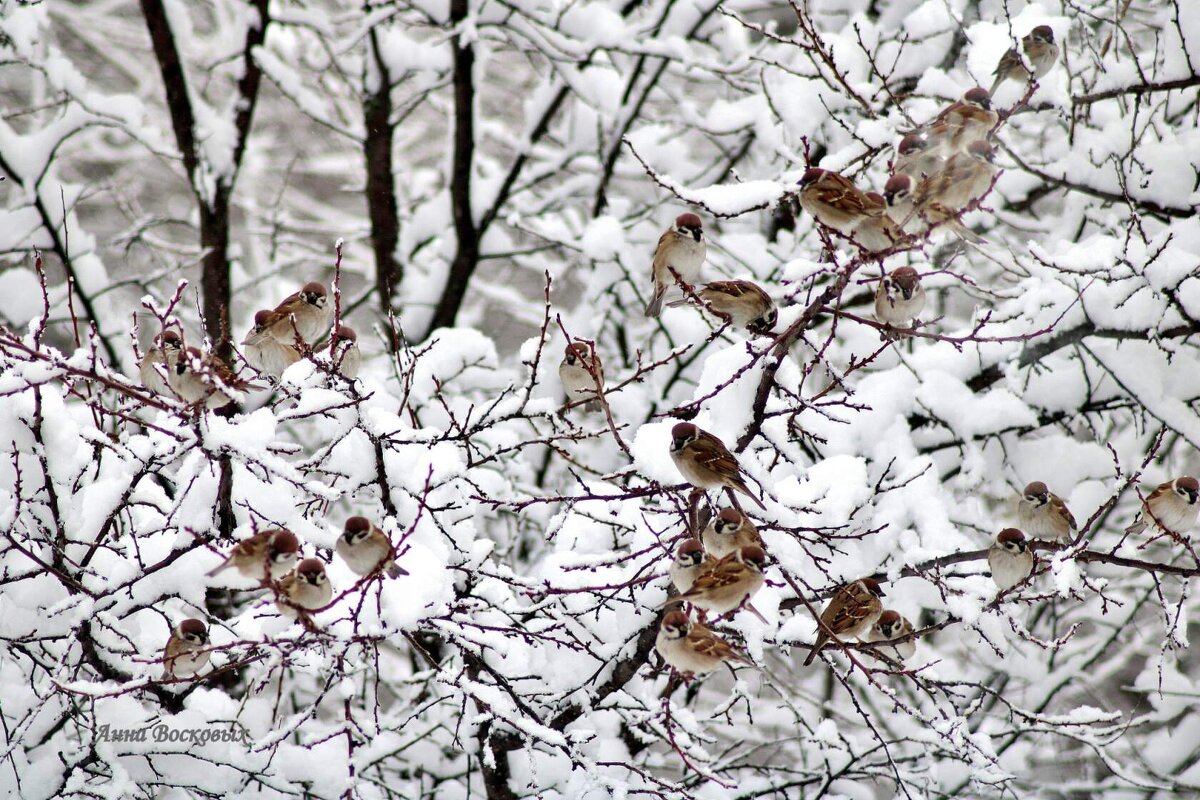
(159, 360)
(851, 612)
(307, 312)
(730, 530)
(268, 553)
(916, 157)
(185, 653)
(582, 375)
(202, 377)
(344, 354)
(893, 626)
(968, 120)
(742, 303)
(1010, 559)
(899, 298)
(705, 462)
(1174, 507)
(681, 247)
(691, 648)
(966, 179)
(690, 560)
(365, 549)
(266, 353)
(834, 201)
(728, 583)
(1043, 514)
(305, 590)
(1041, 52)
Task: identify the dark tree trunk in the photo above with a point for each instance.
(381, 188)
(467, 256)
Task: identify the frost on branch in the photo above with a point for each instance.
(496, 178)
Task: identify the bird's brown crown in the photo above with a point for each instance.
(193, 627)
(978, 97)
(284, 541)
(1010, 535)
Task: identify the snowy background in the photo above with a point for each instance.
(499, 172)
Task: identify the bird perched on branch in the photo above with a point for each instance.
(970, 119)
(851, 612)
(308, 313)
(834, 201)
(1041, 52)
(269, 554)
(705, 462)
(344, 354)
(899, 298)
(582, 375)
(891, 625)
(941, 198)
(730, 530)
(305, 589)
(185, 654)
(1010, 559)
(681, 248)
(267, 353)
(1173, 506)
(199, 377)
(727, 584)
(365, 549)
(1043, 514)
(742, 303)
(157, 362)
(691, 648)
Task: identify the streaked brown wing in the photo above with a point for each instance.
(850, 613)
(712, 453)
(705, 642)
(1057, 503)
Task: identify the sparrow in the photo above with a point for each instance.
(899, 298)
(1043, 514)
(1173, 506)
(307, 312)
(743, 303)
(835, 202)
(264, 352)
(1010, 559)
(960, 123)
(916, 157)
(893, 626)
(681, 247)
(365, 549)
(730, 530)
(184, 654)
(690, 560)
(1041, 52)
(691, 648)
(202, 377)
(306, 589)
(852, 610)
(275, 549)
(963, 182)
(582, 375)
(344, 354)
(164, 354)
(705, 462)
(728, 583)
